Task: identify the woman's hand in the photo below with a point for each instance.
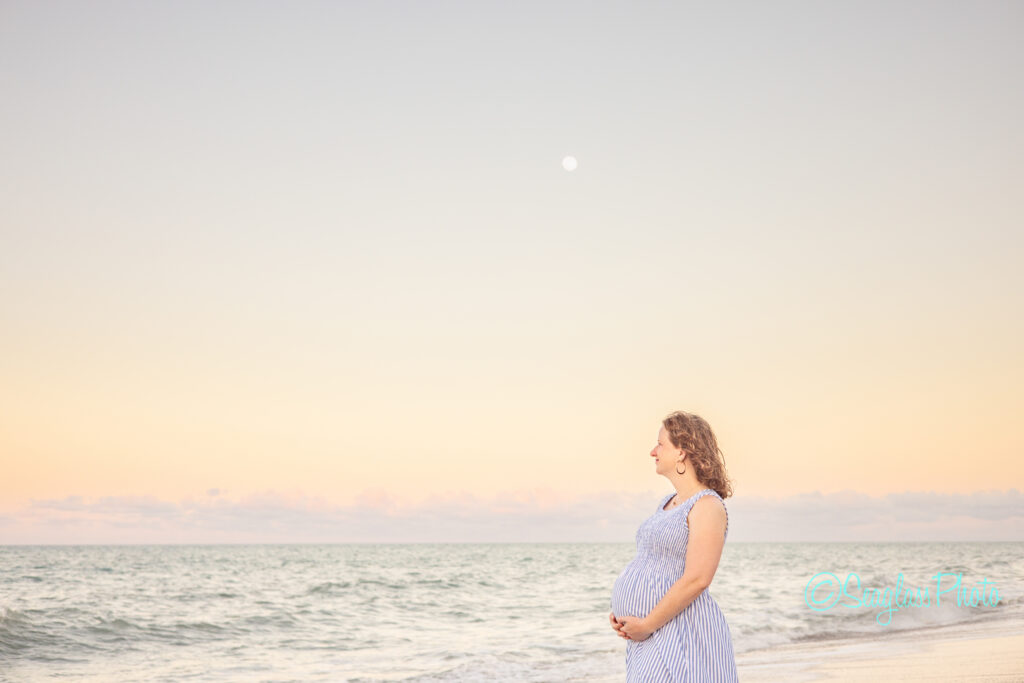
(634, 628)
(617, 625)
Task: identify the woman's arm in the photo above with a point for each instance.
(704, 545)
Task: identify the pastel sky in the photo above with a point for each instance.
(270, 266)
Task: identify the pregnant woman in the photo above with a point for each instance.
(674, 630)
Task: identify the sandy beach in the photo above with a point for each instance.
(987, 652)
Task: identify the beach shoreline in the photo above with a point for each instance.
(984, 652)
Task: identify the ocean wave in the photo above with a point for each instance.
(429, 613)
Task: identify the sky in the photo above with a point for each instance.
(315, 270)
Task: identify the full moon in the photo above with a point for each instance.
(569, 163)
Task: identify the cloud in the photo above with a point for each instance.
(532, 516)
(906, 516)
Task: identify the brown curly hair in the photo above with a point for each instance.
(693, 435)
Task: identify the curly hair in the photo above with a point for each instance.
(692, 434)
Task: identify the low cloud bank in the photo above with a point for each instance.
(537, 516)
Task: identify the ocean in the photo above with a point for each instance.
(436, 612)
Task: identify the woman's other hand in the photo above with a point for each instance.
(617, 625)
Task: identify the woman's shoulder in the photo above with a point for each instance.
(708, 498)
(708, 507)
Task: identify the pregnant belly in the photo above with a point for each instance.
(634, 592)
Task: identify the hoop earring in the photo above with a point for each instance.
(684, 469)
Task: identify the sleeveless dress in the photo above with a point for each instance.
(695, 646)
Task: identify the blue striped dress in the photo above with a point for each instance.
(695, 645)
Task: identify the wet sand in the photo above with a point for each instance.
(988, 652)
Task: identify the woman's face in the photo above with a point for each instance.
(664, 453)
